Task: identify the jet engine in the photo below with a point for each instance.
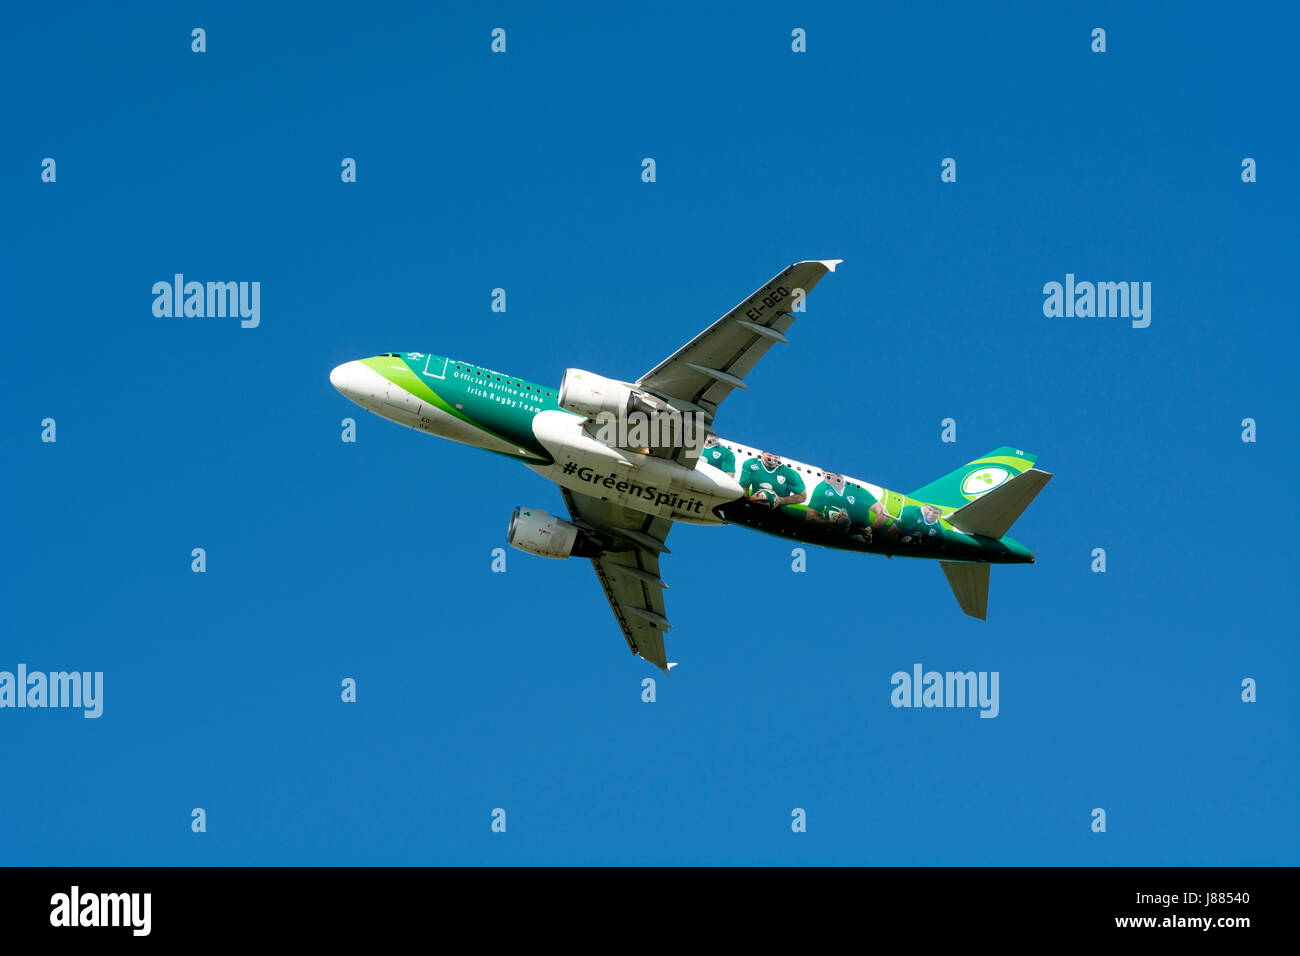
(589, 395)
(547, 536)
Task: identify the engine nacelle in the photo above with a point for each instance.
(590, 395)
(547, 536)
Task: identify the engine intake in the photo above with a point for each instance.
(547, 536)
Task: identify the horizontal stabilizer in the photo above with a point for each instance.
(994, 512)
(970, 585)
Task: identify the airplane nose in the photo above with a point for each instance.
(347, 378)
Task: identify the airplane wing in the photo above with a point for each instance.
(630, 577)
(705, 370)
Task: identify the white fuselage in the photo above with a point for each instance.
(643, 482)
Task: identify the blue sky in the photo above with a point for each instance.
(372, 560)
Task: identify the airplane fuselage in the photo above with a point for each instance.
(730, 482)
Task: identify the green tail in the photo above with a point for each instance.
(959, 488)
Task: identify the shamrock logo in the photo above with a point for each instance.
(982, 480)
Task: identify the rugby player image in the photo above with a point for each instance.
(920, 525)
(831, 504)
(877, 519)
(770, 482)
(719, 456)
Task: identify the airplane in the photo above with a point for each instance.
(631, 458)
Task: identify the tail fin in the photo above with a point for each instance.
(959, 488)
(970, 585)
(994, 512)
(988, 495)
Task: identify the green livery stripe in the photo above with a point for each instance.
(1018, 464)
(405, 377)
